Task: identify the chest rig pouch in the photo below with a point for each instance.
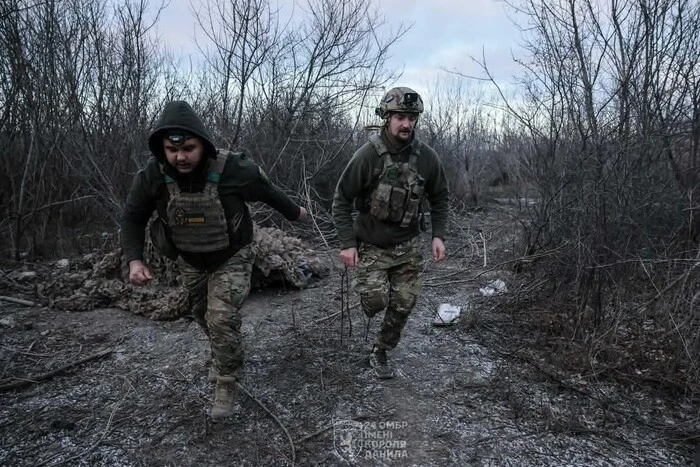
(400, 192)
(197, 220)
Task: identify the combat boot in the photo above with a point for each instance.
(224, 394)
(380, 362)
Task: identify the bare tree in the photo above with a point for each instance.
(75, 108)
(242, 35)
(297, 84)
(611, 113)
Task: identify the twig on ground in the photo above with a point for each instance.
(18, 301)
(29, 354)
(315, 434)
(325, 318)
(483, 242)
(35, 379)
(333, 315)
(262, 406)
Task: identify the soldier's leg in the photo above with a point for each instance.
(371, 280)
(195, 282)
(406, 284)
(228, 287)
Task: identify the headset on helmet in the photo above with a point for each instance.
(400, 99)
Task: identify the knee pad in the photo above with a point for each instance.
(373, 303)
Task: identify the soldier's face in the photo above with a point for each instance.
(401, 125)
(184, 156)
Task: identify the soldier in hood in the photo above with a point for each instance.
(388, 180)
(200, 195)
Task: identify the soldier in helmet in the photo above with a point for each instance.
(387, 181)
(200, 195)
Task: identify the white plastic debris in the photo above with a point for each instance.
(26, 275)
(62, 263)
(494, 288)
(8, 322)
(447, 315)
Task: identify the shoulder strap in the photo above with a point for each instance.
(379, 145)
(170, 182)
(412, 165)
(215, 168)
(383, 152)
(415, 154)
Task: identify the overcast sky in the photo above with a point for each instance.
(443, 34)
(446, 32)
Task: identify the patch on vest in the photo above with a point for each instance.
(183, 217)
(393, 174)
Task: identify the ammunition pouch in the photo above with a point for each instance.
(400, 191)
(380, 204)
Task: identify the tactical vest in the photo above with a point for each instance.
(197, 220)
(400, 191)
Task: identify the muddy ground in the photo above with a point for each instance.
(463, 395)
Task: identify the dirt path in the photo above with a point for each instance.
(458, 398)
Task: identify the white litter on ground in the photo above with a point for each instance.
(447, 315)
(494, 288)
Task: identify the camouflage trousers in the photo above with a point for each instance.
(215, 299)
(389, 278)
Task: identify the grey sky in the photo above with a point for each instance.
(443, 34)
(446, 32)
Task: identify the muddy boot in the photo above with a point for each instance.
(224, 394)
(380, 362)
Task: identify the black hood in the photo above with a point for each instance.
(179, 114)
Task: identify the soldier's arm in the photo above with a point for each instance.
(437, 192)
(349, 187)
(140, 204)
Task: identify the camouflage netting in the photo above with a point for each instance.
(95, 281)
(281, 255)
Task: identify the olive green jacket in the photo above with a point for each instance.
(242, 181)
(359, 180)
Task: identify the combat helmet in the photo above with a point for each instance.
(400, 99)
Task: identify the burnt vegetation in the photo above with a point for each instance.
(592, 163)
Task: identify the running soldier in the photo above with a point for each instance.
(388, 181)
(200, 195)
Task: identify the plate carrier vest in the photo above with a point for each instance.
(399, 194)
(197, 220)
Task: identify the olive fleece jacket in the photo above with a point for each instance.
(359, 179)
(242, 181)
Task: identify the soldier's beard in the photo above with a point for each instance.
(404, 135)
(399, 139)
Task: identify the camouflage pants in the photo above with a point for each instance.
(215, 299)
(389, 278)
